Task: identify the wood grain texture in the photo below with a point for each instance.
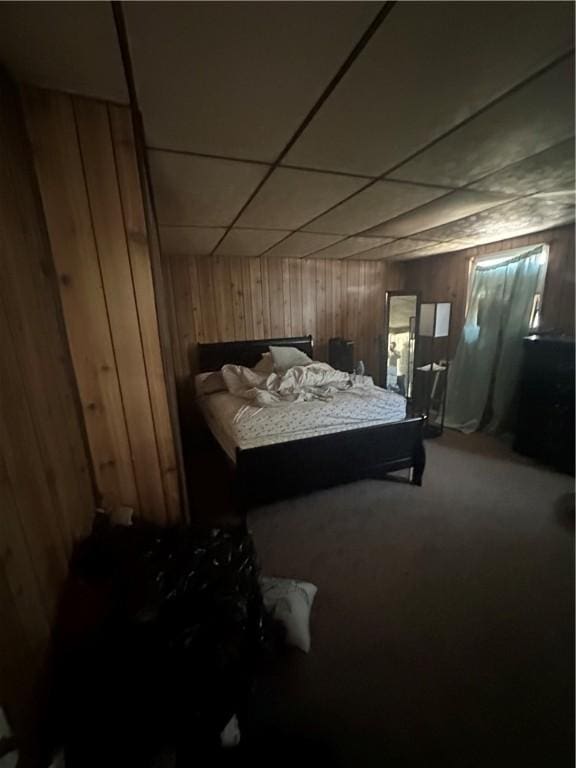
(88, 175)
(337, 298)
(144, 294)
(228, 298)
(46, 491)
(96, 147)
(59, 167)
(445, 278)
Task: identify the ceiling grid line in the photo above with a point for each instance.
(502, 97)
(465, 187)
(421, 233)
(386, 221)
(370, 31)
(435, 141)
(468, 187)
(230, 200)
(318, 129)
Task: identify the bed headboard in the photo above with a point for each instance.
(211, 357)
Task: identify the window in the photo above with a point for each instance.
(536, 312)
(501, 258)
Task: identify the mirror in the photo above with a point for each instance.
(402, 320)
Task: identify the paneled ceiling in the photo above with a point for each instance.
(354, 130)
(65, 46)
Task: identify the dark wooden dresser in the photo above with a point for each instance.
(545, 428)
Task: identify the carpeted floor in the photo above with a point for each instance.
(443, 626)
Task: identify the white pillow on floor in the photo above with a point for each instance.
(290, 602)
(230, 736)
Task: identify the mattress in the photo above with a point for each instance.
(235, 424)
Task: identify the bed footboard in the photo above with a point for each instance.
(279, 471)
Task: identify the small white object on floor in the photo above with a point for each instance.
(290, 602)
(9, 761)
(230, 736)
(5, 730)
(122, 516)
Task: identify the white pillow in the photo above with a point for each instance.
(208, 383)
(265, 364)
(231, 735)
(287, 357)
(290, 602)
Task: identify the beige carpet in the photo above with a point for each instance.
(443, 625)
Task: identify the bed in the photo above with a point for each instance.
(276, 453)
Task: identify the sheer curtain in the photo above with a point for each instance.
(483, 376)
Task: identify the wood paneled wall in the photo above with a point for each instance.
(227, 298)
(86, 165)
(558, 299)
(47, 500)
(445, 278)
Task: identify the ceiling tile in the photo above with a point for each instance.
(394, 248)
(290, 198)
(189, 241)
(565, 197)
(199, 190)
(429, 66)
(453, 206)
(377, 203)
(347, 247)
(533, 118)
(249, 242)
(300, 244)
(548, 171)
(69, 47)
(511, 220)
(236, 78)
(433, 249)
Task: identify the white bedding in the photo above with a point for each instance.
(300, 383)
(237, 423)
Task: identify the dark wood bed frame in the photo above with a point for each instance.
(273, 472)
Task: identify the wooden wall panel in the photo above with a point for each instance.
(440, 278)
(93, 125)
(558, 299)
(148, 318)
(225, 298)
(336, 298)
(86, 165)
(445, 278)
(60, 172)
(46, 491)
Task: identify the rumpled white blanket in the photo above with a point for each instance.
(317, 381)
